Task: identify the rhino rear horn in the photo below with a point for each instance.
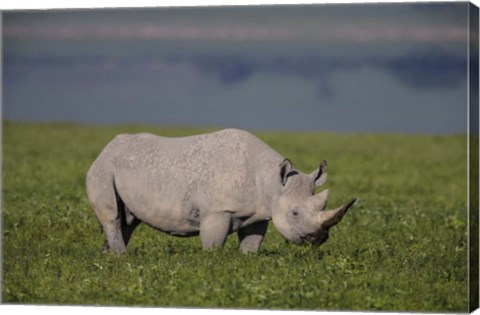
(320, 200)
(330, 218)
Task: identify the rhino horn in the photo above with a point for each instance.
(320, 200)
(330, 218)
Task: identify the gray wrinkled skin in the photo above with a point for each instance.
(209, 185)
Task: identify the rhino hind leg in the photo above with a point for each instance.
(119, 230)
(117, 221)
(251, 237)
(113, 232)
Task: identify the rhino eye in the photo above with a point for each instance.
(295, 212)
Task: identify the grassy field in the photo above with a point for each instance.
(402, 247)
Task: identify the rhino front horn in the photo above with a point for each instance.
(330, 218)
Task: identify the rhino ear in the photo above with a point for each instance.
(319, 176)
(329, 218)
(285, 167)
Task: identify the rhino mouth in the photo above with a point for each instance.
(315, 238)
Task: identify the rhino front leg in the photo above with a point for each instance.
(251, 236)
(214, 229)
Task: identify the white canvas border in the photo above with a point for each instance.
(72, 4)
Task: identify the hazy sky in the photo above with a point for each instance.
(380, 68)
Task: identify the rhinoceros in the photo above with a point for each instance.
(210, 185)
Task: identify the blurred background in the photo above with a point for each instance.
(395, 68)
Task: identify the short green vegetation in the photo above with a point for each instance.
(402, 247)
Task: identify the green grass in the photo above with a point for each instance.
(402, 247)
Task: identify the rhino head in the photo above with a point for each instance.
(298, 213)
